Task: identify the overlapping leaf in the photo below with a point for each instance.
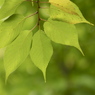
(63, 33)
(17, 52)
(9, 8)
(65, 10)
(10, 29)
(41, 51)
(26, 9)
(59, 28)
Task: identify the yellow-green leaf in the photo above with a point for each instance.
(63, 33)
(1, 3)
(10, 29)
(65, 10)
(41, 51)
(9, 8)
(17, 52)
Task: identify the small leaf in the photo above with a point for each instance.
(67, 11)
(17, 52)
(63, 33)
(41, 51)
(10, 29)
(9, 8)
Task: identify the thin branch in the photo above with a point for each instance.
(34, 27)
(37, 12)
(32, 14)
(27, 17)
(43, 19)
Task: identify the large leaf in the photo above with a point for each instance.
(61, 32)
(41, 51)
(65, 10)
(9, 8)
(10, 29)
(17, 52)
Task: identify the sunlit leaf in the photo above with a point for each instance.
(9, 8)
(59, 3)
(63, 33)
(65, 10)
(19, 17)
(41, 51)
(10, 29)
(17, 52)
(1, 3)
(26, 9)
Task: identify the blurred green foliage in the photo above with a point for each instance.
(68, 73)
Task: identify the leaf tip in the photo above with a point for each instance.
(81, 51)
(44, 74)
(90, 23)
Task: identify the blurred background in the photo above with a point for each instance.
(68, 73)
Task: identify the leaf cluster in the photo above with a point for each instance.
(27, 28)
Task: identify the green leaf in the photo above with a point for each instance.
(0, 22)
(9, 8)
(41, 51)
(63, 33)
(17, 52)
(10, 29)
(59, 3)
(26, 9)
(66, 11)
(1, 3)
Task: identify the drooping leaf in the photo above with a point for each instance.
(41, 51)
(17, 52)
(62, 32)
(65, 10)
(9, 8)
(10, 29)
